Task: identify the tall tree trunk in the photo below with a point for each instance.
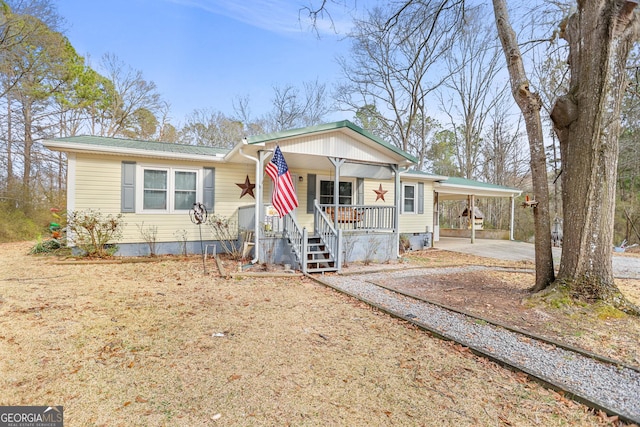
(9, 146)
(27, 156)
(587, 121)
(530, 104)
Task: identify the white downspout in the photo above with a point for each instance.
(258, 181)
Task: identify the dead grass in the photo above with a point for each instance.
(160, 344)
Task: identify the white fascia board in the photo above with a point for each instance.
(423, 177)
(476, 191)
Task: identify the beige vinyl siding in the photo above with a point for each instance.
(99, 187)
(414, 222)
(337, 144)
(370, 194)
(97, 183)
(228, 193)
(409, 222)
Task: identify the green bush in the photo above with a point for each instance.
(46, 246)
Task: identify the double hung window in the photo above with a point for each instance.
(168, 189)
(409, 198)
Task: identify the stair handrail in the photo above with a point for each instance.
(332, 238)
(292, 231)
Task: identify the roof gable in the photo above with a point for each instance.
(343, 126)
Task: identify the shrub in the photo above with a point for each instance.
(182, 237)
(91, 231)
(404, 243)
(225, 230)
(150, 236)
(46, 246)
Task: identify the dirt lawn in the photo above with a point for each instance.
(159, 343)
(500, 295)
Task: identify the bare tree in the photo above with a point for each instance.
(552, 77)
(471, 91)
(392, 58)
(242, 113)
(291, 108)
(628, 190)
(505, 162)
(530, 105)
(211, 128)
(127, 93)
(166, 131)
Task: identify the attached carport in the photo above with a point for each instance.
(466, 189)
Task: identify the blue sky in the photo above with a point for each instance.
(203, 53)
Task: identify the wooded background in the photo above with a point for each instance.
(432, 82)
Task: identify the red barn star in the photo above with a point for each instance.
(247, 188)
(380, 193)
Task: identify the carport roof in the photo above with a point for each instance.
(456, 188)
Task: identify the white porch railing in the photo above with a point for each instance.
(331, 237)
(362, 217)
(297, 238)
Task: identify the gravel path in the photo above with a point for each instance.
(613, 387)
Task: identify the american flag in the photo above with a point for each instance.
(284, 195)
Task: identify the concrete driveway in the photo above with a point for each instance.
(623, 266)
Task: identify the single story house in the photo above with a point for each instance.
(356, 193)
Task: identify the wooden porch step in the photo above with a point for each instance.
(319, 259)
(321, 270)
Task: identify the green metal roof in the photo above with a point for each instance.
(477, 184)
(268, 137)
(424, 174)
(134, 144)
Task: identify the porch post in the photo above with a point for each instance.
(472, 217)
(262, 155)
(511, 220)
(396, 215)
(336, 188)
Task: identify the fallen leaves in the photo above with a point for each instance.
(300, 354)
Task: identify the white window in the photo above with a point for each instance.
(167, 190)
(345, 192)
(154, 189)
(185, 190)
(409, 198)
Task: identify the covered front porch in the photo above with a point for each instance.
(335, 169)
